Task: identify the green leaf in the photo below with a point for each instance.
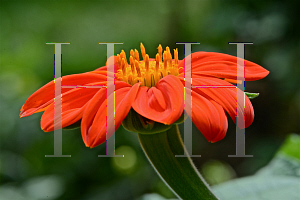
(286, 162)
(179, 173)
(281, 165)
(291, 146)
(279, 180)
(251, 95)
(259, 187)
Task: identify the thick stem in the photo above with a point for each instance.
(179, 173)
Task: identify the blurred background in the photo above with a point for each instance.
(27, 64)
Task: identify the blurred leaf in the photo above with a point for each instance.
(151, 197)
(281, 165)
(287, 159)
(291, 147)
(216, 172)
(44, 187)
(259, 187)
(278, 180)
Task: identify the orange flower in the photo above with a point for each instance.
(154, 88)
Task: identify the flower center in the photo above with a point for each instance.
(146, 71)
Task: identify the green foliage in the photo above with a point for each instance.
(278, 180)
(259, 187)
(291, 147)
(251, 95)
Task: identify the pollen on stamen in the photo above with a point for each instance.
(132, 53)
(136, 53)
(160, 52)
(143, 51)
(165, 60)
(157, 63)
(130, 79)
(123, 65)
(167, 49)
(147, 71)
(170, 60)
(176, 56)
(132, 65)
(137, 67)
(147, 62)
(123, 55)
(119, 60)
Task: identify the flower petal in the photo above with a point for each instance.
(162, 103)
(73, 104)
(225, 96)
(94, 125)
(222, 66)
(43, 97)
(209, 117)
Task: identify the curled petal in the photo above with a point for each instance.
(93, 125)
(225, 96)
(209, 117)
(43, 97)
(222, 66)
(162, 103)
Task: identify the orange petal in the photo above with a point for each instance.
(226, 97)
(93, 124)
(162, 103)
(222, 66)
(209, 117)
(45, 95)
(73, 104)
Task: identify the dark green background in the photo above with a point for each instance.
(27, 64)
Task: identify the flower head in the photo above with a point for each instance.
(153, 88)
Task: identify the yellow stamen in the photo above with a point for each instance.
(170, 59)
(123, 55)
(130, 79)
(123, 66)
(143, 51)
(152, 80)
(167, 49)
(119, 60)
(146, 62)
(132, 65)
(176, 56)
(132, 53)
(147, 72)
(165, 60)
(138, 70)
(136, 53)
(160, 52)
(157, 63)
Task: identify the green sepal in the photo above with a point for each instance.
(73, 126)
(251, 95)
(136, 123)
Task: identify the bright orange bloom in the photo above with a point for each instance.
(154, 88)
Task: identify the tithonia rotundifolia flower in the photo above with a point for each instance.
(153, 90)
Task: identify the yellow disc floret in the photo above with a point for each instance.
(147, 71)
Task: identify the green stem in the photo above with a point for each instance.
(179, 173)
